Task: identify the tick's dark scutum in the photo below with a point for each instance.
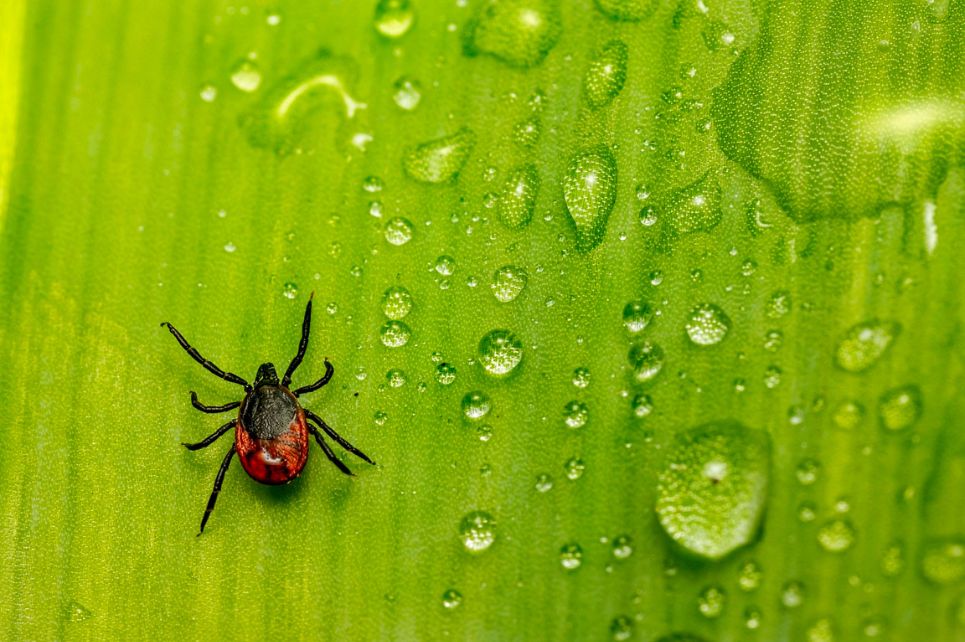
(268, 412)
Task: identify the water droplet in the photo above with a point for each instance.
(637, 315)
(622, 547)
(863, 344)
(517, 199)
(581, 377)
(696, 207)
(773, 340)
(943, 560)
(574, 468)
(772, 377)
(711, 601)
(518, 32)
(290, 290)
(590, 191)
(398, 230)
(792, 594)
(621, 628)
(571, 556)
(451, 599)
(836, 536)
(779, 304)
(439, 160)
(77, 612)
(606, 74)
(380, 417)
(407, 93)
(544, 483)
(508, 282)
(807, 471)
(848, 414)
(526, 132)
(209, 93)
(575, 414)
(396, 302)
(393, 18)
(807, 512)
(900, 408)
(500, 352)
(395, 378)
(629, 11)
(707, 324)
(646, 359)
(394, 334)
(373, 184)
(445, 265)
(752, 618)
(229, 247)
(476, 405)
(445, 373)
(750, 576)
(642, 406)
(713, 487)
(246, 76)
(821, 631)
(478, 531)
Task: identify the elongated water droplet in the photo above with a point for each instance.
(900, 408)
(696, 207)
(864, 343)
(627, 10)
(393, 18)
(500, 351)
(439, 160)
(478, 531)
(518, 32)
(508, 282)
(707, 325)
(713, 488)
(606, 75)
(517, 199)
(590, 191)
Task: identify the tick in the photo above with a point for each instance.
(272, 428)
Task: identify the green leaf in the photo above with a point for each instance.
(574, 264)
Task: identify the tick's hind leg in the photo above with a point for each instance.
(337, 437)
(328, 452)
(212, 409)
(217, 487)
(210, 439)
(302, 345)
(210, 367)
(329, 371)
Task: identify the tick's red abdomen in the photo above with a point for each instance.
(274, 461)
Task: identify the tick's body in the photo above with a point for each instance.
(272, 429)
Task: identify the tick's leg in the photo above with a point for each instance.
(210, 367)
(329, 371)
(210, 439)
(328, 452)
(217, 487)
(337, 437)
(302, 345)
(212, 409)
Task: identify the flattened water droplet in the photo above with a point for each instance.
(439, 160)
(943, 560)
(606, 75)
(395, 334)
(518, 32)
(713, 487)
(836, 536)
(900, 408)
(396, 302)
(696, 207)
(571, 556)
(478, 531)
(627, 10)
(517, 199)
(637, 315)
(393, 18)
(707, 325)
(500, 352)
(407, 93)
(508, 282)
(476, 405)
(646, 359)
(864, 343)
(398, 230)
(590, 191)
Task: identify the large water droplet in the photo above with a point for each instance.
(713, 488)
(439, 160)
(517, 32)
(396, 302)
(478, 531)
(707, 324)
(646, 359)
(628, 10)
(943, 560)
(590, 191)
(606, 75)
(508, 282)
(864, 343)
(393, 18)
(696, 207)
(517, 200)
(500, 351)
(900, 408)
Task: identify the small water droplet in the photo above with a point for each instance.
(752, 618)
(622, 547)
(821, 631)
(451, 599)
(396, 302)
(848, 414)
(637, 315)
(407, 93)
(373, 184)
(574, 468)
(779, 304)
(394, 334)
(229, 247)
(900, 408)
(77, 612)
(792, 594)
(476, 405)
(439, 160)
(621, 628)
(807, 471)
(290, 290)
(500, 352)
(393, 18)
(526, 132)
(836, 536)
(209, 93)
(696, 207)
(642, 406)
(773, 340)
(571, 556)
(445, 265)
(711, 601)
(544, 483)
(864, 343)
(246, 76)
(646, 359)
(707, 325)
(581, 377)
(445, 373)
(508, 282)
(398, 230)
(575, 414)
(893, 560)
(395, 378)
(478, 531)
